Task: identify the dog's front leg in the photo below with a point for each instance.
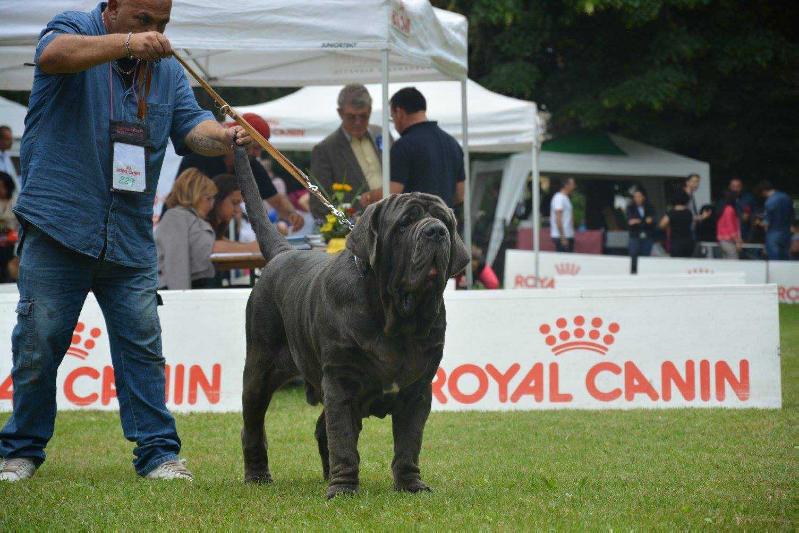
(343, 423)
(407, 423)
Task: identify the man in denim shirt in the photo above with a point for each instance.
(778, 220)
(87, 224)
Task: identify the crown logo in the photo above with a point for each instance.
(75, 348)
(581, 335)
(567, 269)
(700, 270)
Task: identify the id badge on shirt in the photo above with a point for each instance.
(130, 141)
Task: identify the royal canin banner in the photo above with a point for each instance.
(755, 271)
(505, 350)
(649, 280)
(786, 275)
(520, 268)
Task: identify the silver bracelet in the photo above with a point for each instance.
(127, 46)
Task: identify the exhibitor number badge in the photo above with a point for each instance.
(129, 170)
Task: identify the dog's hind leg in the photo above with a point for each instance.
(261, 379)
(321, 440)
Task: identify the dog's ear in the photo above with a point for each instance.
(362, 242)
(458, 254)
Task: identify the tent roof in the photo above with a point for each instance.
(584, 143)
(635, 159)
(13, 114)
(280, 43)
(497, 123)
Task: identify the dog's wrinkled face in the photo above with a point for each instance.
(412, 244)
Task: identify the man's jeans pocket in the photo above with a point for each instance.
(24, 335)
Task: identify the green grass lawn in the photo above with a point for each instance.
(665, 470)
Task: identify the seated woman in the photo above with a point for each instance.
(227, 207)
(185, 240)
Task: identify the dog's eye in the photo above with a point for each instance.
(406, 220)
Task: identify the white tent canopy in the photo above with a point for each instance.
(497, 123)
(639, 161)
(283, 43)
(280, 43)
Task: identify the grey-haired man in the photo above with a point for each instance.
(352, 153)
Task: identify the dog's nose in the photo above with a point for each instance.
(435, 231)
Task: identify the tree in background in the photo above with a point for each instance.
(717, 80)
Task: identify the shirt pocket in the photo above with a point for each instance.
(159, 118)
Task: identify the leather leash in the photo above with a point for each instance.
(290, 167)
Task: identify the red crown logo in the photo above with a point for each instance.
(89, 344)
(567, 269)
(700, 270)
(582, 335)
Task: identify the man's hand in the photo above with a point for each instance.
(296, 221)
(238, 135)
(150, 45)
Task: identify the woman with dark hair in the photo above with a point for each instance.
(227, 206)
(679, 221)
(641, 222)
(728, 228)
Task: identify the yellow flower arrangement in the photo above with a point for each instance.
(343, 187)
(341, 196)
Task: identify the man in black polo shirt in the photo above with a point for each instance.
(425, 158)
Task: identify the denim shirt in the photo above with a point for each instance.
(66, 150)
(779, 212)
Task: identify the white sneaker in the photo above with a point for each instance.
(13, 470)
(175, 469)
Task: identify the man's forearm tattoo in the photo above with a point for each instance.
(205, 145)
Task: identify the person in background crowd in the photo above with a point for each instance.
(186, 240)
(228, 206)
(353, 153)
(481, 271)
(6, 163)
(425, 158)
(561, 221)
(705, 229)
(8, 226)
(223, 164)
(641, 222)
(679, 221)
(779, 215)
(794, 251)
(744, 205)
(690, 186)
(728, 229)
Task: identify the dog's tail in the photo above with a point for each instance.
(270, 241)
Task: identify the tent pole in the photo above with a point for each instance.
(386, 131)
(467, 196)
(536, 200)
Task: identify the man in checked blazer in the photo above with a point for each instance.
(351, 154)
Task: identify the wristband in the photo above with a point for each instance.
(127, 46)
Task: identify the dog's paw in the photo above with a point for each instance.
(414, 486)
(341, 490)
(260, 478)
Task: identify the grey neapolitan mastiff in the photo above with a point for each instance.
(364, 329)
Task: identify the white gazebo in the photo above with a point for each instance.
(280, 43)
(285, 43)
(627, 160)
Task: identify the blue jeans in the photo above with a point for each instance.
(778, 244)
(53, 284)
